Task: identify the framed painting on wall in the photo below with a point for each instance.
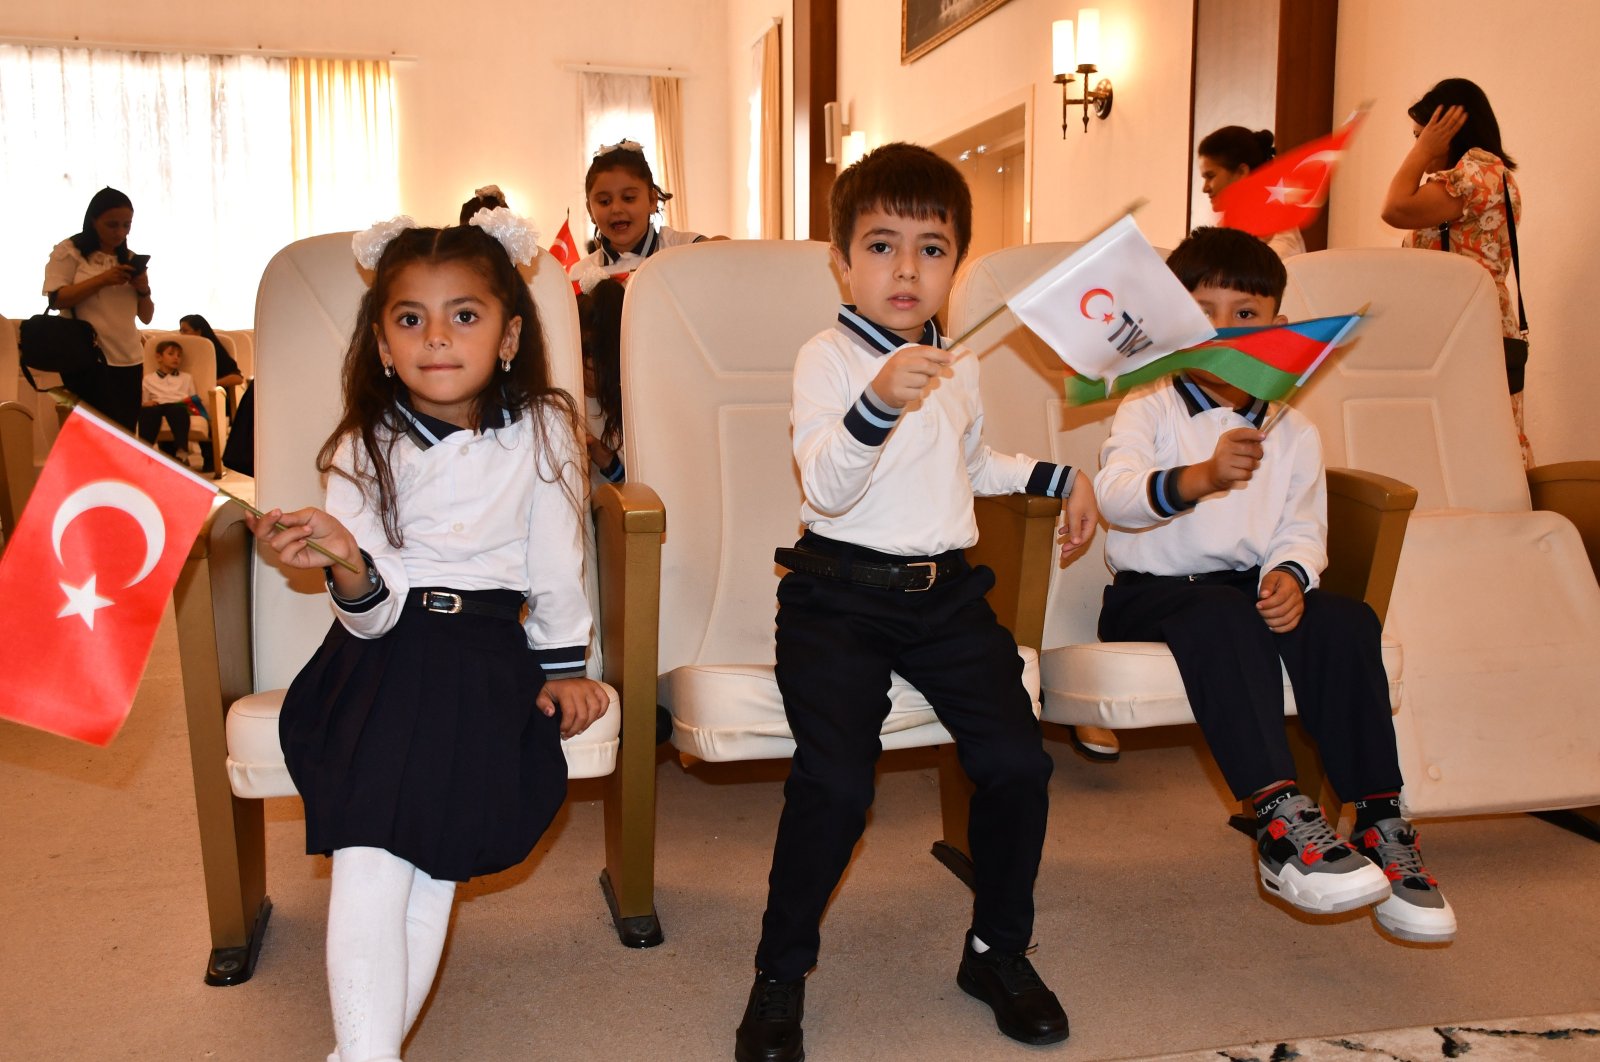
(926, 24)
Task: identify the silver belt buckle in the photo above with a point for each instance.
(933, 575)
(441, 601)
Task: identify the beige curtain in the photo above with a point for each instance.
(666, 100)
(342, 127)
(771, 147)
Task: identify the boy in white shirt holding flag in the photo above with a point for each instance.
(1217, 540)
(888, 436)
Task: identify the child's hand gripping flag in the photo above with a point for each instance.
(1112, 306)
(1271, 362)
(1288, 192)
(85, 578)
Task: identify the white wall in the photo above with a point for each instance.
(488, 96)
(1080, 182)
(1537, 66)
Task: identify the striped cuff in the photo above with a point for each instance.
(1295, 570)
(561, 661)
(869, 422)
(1051, 481)
(1163, 487)
(367, 601)
(614, 472)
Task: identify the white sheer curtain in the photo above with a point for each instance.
(618, 107)
(200, 143)
(345, 163)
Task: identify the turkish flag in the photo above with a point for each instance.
(84, 580)
(1288, 192)
(565, 249)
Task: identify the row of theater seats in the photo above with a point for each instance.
(1493, 610)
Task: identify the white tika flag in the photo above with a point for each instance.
(1112, 306)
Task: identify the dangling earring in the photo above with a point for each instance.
(388, 370)
(505, 364)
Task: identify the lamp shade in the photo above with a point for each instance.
(1061, 60)
(1089, 36)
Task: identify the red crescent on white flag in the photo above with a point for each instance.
(1083, 303)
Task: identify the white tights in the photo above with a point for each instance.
(386, 927)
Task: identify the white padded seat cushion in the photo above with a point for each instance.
(1124, 685)
(255, 758)
(724, 712)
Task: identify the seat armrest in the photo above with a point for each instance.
(629, 523)
(1016, 538)
(1572, 489)
(1367, 516)
(17, 473)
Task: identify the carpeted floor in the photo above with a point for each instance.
(1554, 1038)
(1150, 924)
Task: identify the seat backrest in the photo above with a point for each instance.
(305, 311)
(709, 337)
(1420, 394)
(1023, 385)
(199, 358)
(10, 360)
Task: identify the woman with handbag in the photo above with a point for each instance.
(1451, 190)
(95, 278)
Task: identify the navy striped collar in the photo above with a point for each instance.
(1198, 400)
(427, 431)
(647, 246)
(881, 340)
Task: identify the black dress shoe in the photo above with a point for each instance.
(770, 1031)
(1024, 1008)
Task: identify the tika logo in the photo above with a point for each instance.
(1126, 334)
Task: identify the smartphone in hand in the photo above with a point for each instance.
(139, 262)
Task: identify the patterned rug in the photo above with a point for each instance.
(1552, 1038)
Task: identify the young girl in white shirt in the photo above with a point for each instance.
(623, 197)
(425, 734)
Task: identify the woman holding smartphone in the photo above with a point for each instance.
(94, 277)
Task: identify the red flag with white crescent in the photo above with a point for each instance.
(86, 577)
(1288, 192)
(565, 249)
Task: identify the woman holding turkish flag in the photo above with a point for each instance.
(1451, 191)
(1234, 152)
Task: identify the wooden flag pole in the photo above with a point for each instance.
(67, 400)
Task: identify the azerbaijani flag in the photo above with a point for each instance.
(1271, 362)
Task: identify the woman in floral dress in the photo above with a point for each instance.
(1451, 189)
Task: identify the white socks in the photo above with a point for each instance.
(386, 927)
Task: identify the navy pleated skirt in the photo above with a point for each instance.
(427, 743)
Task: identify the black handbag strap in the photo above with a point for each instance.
(1516, 262)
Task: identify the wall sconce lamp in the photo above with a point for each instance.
(1062, 60)
(843, 146)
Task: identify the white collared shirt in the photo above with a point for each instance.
(1280, 517)
(113, 311)
(897, 481)
(478, 511)
(615, 264)
(173, 387)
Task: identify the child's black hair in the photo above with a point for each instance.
(905, 180)
(1228, 258)
(629, 161)
(487, 198)
(173, 343)
(1481, 130)
(600, 323)
(369, 415)
(1234, 146)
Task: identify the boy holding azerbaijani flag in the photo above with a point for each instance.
(1218, 538)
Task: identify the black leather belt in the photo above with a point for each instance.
(496, 604)
(908, 575)
(1249, 575)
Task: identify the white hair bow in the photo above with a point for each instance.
(369, 243)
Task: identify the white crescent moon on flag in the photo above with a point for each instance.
(113, 494)
(1319, 194)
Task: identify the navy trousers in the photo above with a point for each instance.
(836, 645)
(1229, 661)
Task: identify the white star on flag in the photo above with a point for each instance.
(83, 602)
(1280, 192)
